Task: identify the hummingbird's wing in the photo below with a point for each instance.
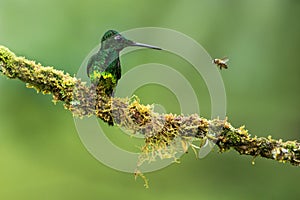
(95, 64)
(118, 71)
(90, 64)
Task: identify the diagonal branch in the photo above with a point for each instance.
(160, 130)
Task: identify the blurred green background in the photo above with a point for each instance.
(41, 153)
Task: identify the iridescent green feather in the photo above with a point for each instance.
(104, 67)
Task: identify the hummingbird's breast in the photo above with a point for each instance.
(112, 63)
(104, 62)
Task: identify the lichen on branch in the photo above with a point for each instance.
(161, 131)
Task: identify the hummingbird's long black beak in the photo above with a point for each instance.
(145, 45)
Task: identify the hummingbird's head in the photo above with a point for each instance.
(113, 39)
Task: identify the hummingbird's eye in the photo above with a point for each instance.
(118, 37)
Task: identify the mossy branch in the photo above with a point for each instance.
(160, 130)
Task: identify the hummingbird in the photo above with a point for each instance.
(104, 67)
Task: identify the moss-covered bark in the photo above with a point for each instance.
(161, 131)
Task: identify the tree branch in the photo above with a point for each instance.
(160, 130)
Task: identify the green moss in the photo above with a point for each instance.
(43, 79)
(163, 133)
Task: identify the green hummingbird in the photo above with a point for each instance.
(104, 67)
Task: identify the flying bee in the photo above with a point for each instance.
(222, 63)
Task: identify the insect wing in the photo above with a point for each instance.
(225, 59)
